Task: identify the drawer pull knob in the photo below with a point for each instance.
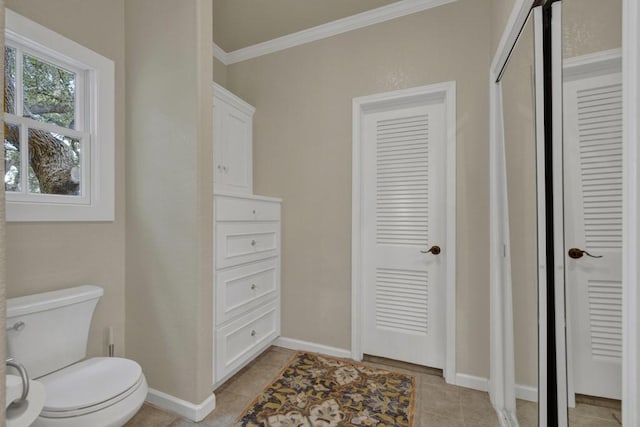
(253, 333)
(253, 243)
(18, 326)
(253, 286)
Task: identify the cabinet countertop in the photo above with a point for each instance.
(248, 197)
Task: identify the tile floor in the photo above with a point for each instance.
(437, 403)
(583, 415)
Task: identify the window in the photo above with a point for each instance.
(58, 127)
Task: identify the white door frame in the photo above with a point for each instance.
(558, 213)
(445, 92)
(631, 213)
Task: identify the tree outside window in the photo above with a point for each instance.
(45, 93)
(59, 123)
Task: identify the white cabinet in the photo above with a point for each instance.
(247, 280)
(246, 244)
(232, 143)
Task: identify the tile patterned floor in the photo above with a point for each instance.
(437, 403)
(583, 415)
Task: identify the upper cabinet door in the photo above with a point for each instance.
(237, 155)
(219, 111)
(233, 143)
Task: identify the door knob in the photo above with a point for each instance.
(576, 253)
(433, 249)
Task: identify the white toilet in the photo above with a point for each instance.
(48, 334)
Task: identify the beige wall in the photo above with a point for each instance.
(241, 23)
(302, 153)
(590, 26)
(49, 256)
(169, 235)
(500, 12)
(219, 72)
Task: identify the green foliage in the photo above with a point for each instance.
(49, 92)
(10, 79)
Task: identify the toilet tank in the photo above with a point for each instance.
(54, 329)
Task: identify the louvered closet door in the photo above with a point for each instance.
(593, 222)
(403, 194)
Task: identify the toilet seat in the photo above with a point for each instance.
(90, 386)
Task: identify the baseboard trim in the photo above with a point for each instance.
(299, 345)
(482, 384)
(527, 392)
(524, 392)
(181, 407)
(472, 382)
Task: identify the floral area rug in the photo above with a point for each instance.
(320, 391)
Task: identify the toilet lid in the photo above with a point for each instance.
(89, 383)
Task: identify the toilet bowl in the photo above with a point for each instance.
(48, 334)
(101, 391)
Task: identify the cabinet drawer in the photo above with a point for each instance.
(241, 340)
(232, 209)
(241, 289)
(239, 243)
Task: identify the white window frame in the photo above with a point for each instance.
(95, 126)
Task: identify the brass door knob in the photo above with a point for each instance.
(435, 250)
(576, 253)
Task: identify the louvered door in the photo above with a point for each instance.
(593, 222)
(403, 195)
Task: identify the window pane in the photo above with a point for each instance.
(12, 157)
(10, 80)
(54, 163)
(49, 92)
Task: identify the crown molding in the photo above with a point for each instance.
(330, 29)
(220, 54)
(231, 99)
